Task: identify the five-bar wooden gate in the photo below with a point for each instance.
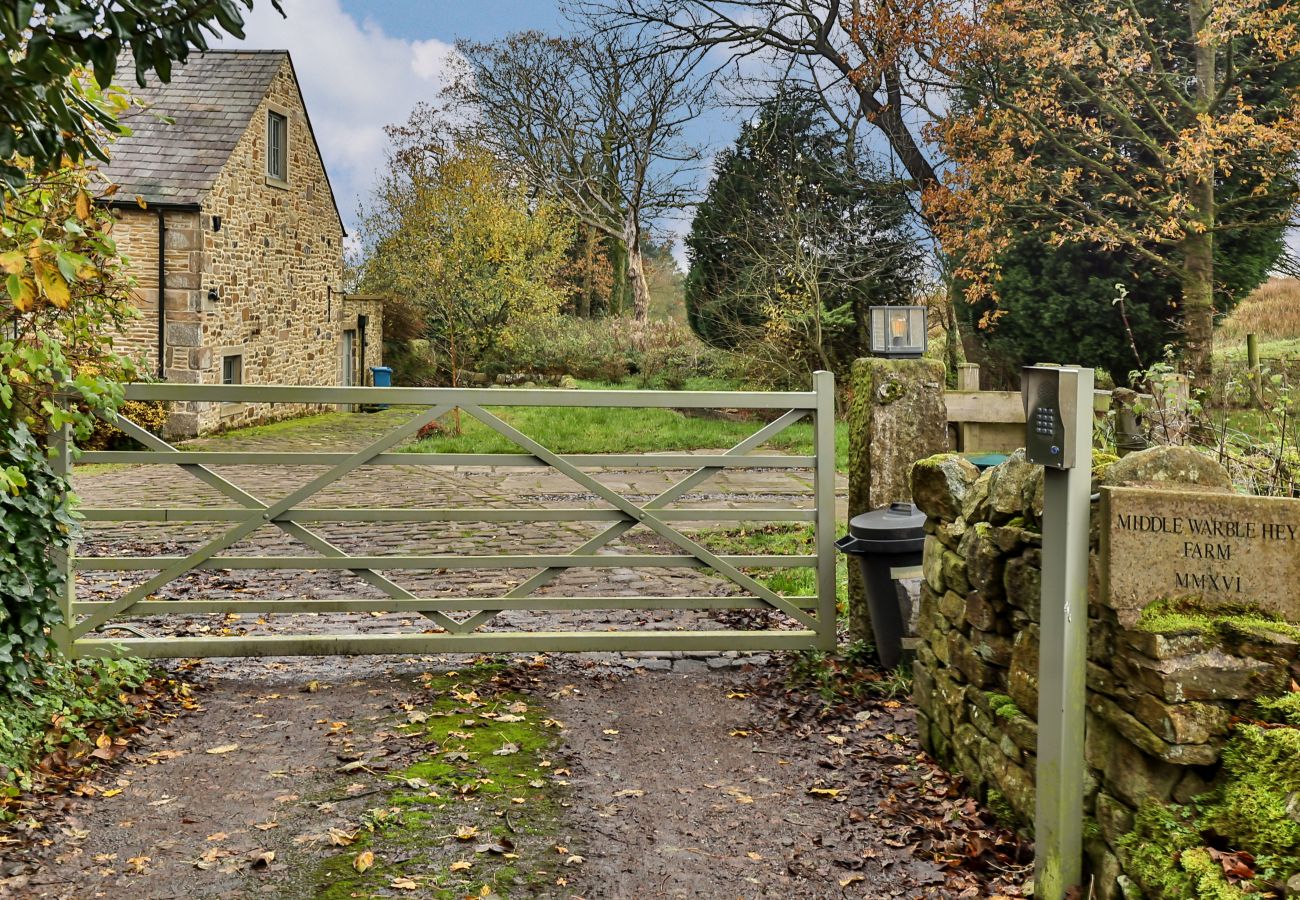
(809, 620)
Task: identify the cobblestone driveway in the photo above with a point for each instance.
(407, 487)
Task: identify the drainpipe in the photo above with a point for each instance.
(162, 293)
(362, 322)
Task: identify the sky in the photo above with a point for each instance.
(363, 65)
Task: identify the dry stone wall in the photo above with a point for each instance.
(1161, 696)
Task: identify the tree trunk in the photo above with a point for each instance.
(636, 271)
(1198, 245)
(618, 271)
(1198, 306)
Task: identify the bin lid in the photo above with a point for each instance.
(380, 369)
(984, 461)
(896, 522)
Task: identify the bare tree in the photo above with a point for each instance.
(882, 66)
(592, 123)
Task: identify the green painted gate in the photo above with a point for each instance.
(809, 620)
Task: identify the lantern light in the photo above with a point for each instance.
(898, 331)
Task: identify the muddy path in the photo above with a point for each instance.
(654, 784)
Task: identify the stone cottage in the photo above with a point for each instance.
(226, 213)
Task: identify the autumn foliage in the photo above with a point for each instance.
(1151, 128)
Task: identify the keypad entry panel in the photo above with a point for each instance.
(1047, 441)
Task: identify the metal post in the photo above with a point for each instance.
(61, 444)
(824, 489)
(1063, 651)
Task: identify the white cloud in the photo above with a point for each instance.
(355, 79)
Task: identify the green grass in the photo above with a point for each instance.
(1282, 348)
(779, 540)
(606, 430)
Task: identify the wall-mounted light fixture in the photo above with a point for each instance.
(898, 331)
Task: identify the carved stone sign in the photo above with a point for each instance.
(1225, 548)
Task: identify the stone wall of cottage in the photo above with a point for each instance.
(136, 233)
(372, 307)
(274, 264)
(1161, 701)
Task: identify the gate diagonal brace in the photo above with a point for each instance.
(262, 514)
(678, 490)
(642, 515)
(293, 529)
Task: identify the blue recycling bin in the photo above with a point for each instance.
(381, 376)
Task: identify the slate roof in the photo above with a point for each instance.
(212, 98)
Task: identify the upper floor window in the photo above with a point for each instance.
(277, 146)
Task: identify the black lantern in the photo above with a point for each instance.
(898, 331)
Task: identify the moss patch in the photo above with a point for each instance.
(476, 815)
(1003, 706)
(1284, 710)
(1227, 623)
(1177, 851)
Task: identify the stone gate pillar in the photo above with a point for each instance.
(897, 416)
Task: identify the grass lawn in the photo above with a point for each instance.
(607, 430)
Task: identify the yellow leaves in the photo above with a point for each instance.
(466, 833)
(364, 860)
(224, 748)
(461, 865)
(830, 793)
(22, 292)
(12, 262)
(82, 204)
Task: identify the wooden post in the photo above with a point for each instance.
(968, 379)
(62, 445)
(1253, 370)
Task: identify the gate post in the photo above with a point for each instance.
(824, 490)
(61, 443)
(898, 416)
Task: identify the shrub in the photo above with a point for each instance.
(150, 415)
(35, 525)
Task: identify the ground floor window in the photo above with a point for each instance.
(232, 369)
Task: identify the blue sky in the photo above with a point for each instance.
(363, 65)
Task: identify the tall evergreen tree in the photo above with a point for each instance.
(796, 237)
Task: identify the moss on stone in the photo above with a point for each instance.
(1252, 808)
(997, 804)
(1227, 622)
(1256, 805)
(1101, 463)
(1284, 710)
(1003, 706)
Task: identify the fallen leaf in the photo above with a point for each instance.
(851, 879)
(506, 750)
(825, 792)
(266, 826)
(466, 833)
(138, 864)
(260, 859)
(365, 859)
(340, 838)
(113, 793)
(403, 884)
(224, 748)
(754, 856)
(218, 836)
(461, 865)
(610, 731)
(575, 860)
(630, 792)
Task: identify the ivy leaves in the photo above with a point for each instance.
(35, 522)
